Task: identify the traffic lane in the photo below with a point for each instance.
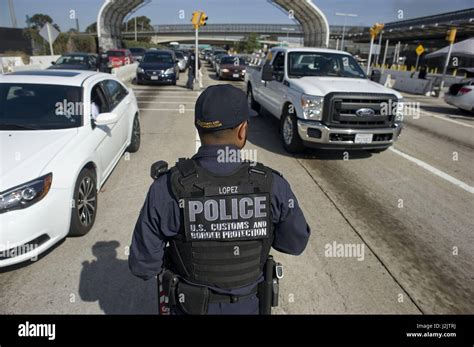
(412, 220)
(440, 107)
(442, 145)
(90, 274)
(315, 282)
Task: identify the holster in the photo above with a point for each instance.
(170, 281)
(268, 290)
(192, 299)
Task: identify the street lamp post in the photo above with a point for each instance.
(345, 15)
(288, 33)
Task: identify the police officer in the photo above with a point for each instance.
(211, 220)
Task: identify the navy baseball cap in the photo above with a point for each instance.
(221, 107)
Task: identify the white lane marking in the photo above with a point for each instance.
(198, 141)
(435, 171)
(447, 119)
(164, 102)
(168, 97)
(165, 109)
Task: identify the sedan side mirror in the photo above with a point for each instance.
(106, 118)
(53, 63)
(267, 73)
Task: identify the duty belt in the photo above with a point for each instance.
(230, 298)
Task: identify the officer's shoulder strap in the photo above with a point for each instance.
(186, 167)
(262, 169)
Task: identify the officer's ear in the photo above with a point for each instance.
(242, 131)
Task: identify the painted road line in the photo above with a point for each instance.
(166, 109)
(447, 119)
(435, 171)
(168, 97)
(164, 102)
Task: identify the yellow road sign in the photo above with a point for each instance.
(451, 35)
(420, 49)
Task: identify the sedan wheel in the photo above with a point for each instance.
(135, 141)
(84, 208)
(86, 202)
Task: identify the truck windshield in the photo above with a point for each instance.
(301, 64)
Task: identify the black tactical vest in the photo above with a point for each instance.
(226, 224)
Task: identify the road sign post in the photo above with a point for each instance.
(419, 51)
(196, 61)
(450, 37)
(49, 33)
(374, 31)
(385, 55)
(198, 19)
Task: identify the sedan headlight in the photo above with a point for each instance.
(169, 71)
(25, 195)
(312, 107)
(140, 70)
(225, 70)
(399, 114)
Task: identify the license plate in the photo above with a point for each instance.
(363, 138)
(154, 77)
(236, 75)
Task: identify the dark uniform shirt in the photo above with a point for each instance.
(160, 220)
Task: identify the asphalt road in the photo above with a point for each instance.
(409, 212)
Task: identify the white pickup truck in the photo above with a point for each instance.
(324, 100)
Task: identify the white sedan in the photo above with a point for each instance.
(61, 134)
(461, 96)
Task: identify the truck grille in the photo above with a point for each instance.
(340, 110)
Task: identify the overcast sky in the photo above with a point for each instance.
(232, 11)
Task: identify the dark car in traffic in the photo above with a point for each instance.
(231, 67)
(137, 53)
(75, 61)
(158, 66)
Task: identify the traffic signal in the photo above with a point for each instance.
(376, 29)
(202, 19)
(195, 19)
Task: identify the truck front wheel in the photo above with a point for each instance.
(289, 133)
(251, 100)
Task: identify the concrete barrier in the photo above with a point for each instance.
(26, 67)
(407, 81)
(7, 63)
(125, 73)
(43, 60)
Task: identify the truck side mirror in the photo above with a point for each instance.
(267, 73)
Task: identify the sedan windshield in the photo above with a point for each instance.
(232, 61)
(39, 106)
(301, 64)
(158, 58)
(115, 53)
(71, 60)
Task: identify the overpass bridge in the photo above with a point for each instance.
(312, 21)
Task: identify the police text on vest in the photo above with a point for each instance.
(228, 190)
